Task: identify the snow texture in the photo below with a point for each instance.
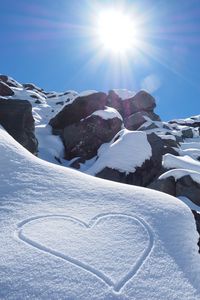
(178, 173)
(108, 113)
(67, 235)
(127, 151)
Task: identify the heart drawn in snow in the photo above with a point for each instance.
(111, 246)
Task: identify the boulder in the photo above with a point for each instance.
(186, 186)
(142, 101)
(134, 121)
(82, 139)
(32, 87)
(9, 81)
(79, 109)
(5, 90)
(113, 100)
(16, 117)
(187, 133)
(166, 185)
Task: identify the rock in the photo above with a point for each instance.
(135, 120)
(197, 219)
(148, 126)
(32, 87)
(83, 138)
(187, 187)
(142, 101)
(166, 185)
(16, 117)
(143, 175)
(187, 133)
(170, 150)
(9, 81)
(5, 90)
(113, 100)
(79, 109)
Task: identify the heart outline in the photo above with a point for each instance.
(116, 286)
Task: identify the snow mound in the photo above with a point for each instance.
(107, 113)
(180, 162)
(67, 235)
(126, 151)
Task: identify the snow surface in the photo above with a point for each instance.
(180, 162)
(127, 151)
(189, 203)
(179, 173)
(67, 235)
(186, 121)
(107, 113)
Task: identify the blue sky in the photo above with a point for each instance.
(50, 44)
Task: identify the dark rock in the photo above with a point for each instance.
(148, 127)
(32, 87)
(5, 90)
(142, 101)
(9, 81)
(60, 103)
(170, 150)
(113, 100)
(135, 120)
(38, 101)
(79, 109)
(187, 187)
(187, 133)
(16, 117)
(167, 185)
(83, 138)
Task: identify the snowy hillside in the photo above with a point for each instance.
(63, 238)
(66, 232)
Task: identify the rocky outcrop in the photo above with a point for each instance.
(16, 117)
(183, 186)
(5, 90)
(186, 186)
(83, 139)
(9, 81)
(134, 121)
(142, 101)
(80, 108)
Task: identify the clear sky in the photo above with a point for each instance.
(53, 44)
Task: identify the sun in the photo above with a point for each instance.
(116, 32)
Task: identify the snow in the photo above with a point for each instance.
(127, 151)
(186, 121)
(124, 93)
(189, 203)
(178, 173)
(67, 235)
(180, 162)
(190, 145)
(107, 113)
(50, 147)
(192, 152)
